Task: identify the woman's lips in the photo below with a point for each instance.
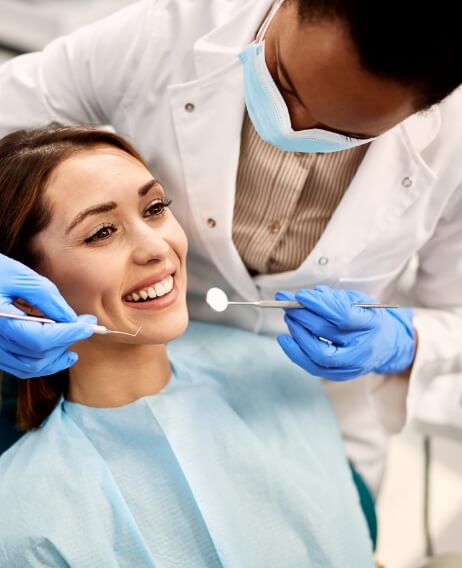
(150, 281)
(158, 303)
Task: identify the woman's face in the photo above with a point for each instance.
(113, 247)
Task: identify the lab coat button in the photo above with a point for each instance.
(189, 107)
(406, 182)
(211, 223)
(323, 260)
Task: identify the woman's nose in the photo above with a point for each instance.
(150, 246)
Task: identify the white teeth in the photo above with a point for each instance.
(159, 288)
(153, 291)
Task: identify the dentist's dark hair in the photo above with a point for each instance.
(407, 42)
(28, 158)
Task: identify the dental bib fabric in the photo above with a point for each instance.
(237, 462)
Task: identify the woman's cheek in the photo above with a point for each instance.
(182, 241)
(81, 284)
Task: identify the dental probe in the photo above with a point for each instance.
(289, 304)
(97, 329)
(218, 301)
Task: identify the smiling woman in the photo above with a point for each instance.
(217, 452)
(86, 212)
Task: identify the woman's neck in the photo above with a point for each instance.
(113, 374)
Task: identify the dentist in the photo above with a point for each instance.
(311, 148)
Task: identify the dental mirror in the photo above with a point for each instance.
(218, 301)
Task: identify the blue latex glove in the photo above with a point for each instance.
(363, 340)
(30, 349)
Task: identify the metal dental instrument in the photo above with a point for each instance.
(97, 329)
(218, 301)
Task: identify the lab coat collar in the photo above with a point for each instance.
(391, 177)
(378, 180)
(422, 128)
(221, 46)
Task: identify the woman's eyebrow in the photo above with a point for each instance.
(147, 186)
(94, 210)
(110, 205)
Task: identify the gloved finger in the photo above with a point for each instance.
(320, 352)
(53, 364)
(336, 307)
(23, 282)
(353, 296)
(298, 356)
(334, 363)
(37, 337)
(24, 366)
(12, 349)
(352, 347)
(317, 325)
(16, 371)
(12, 371)
(284, 295)
(8, 307)
(45, 296)
(312, 321)
(63, 361)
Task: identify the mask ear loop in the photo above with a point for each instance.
(264, 27)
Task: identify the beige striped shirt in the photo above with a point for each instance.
(284, 200)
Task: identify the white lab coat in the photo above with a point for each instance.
(165, 74)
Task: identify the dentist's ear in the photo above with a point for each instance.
(27, 308)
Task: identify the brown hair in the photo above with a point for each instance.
(27, 159)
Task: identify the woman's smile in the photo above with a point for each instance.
(154, 293)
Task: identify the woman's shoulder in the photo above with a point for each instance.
(27, 466)
(48, 477)
(26, 484)
(32, 470)
(25, 455)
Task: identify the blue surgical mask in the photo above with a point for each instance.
(268, 110)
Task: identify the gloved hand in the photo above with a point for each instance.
(363, 340)
(30, 349)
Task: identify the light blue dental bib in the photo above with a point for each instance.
(238, 462)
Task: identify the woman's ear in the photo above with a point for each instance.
(27, 308)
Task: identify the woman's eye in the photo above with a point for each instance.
(157, 208)
(101, 234)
